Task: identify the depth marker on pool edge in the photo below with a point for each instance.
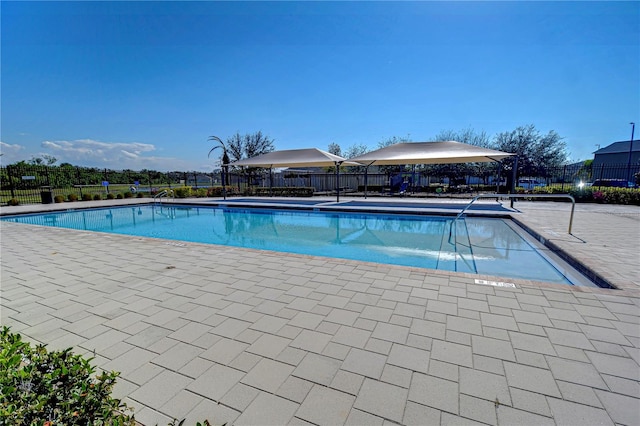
(495, 283)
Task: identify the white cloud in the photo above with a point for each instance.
(112, 155)
(10, 153)
(130, 154)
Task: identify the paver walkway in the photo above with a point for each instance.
(252, 337)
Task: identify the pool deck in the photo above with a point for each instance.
(253, 337)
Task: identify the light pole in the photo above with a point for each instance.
(225, 163)
(633, 128)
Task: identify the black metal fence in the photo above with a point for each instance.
(30, 184)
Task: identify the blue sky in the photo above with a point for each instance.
(143, 84)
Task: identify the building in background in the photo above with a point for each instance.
(612, 162)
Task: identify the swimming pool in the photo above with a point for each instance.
(474, 245)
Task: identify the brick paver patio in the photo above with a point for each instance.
(253, 337)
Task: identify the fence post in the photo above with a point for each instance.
(564, 173)
(11, 184)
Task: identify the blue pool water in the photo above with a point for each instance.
(475, 245)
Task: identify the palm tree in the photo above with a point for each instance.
(225, 162)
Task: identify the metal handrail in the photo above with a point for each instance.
(455, 248)
(159, 195)
(511, 196)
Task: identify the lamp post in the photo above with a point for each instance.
(633, 128)
(225, 163)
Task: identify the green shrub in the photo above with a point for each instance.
(285, 191)
(13, 202)
(621, 195)
(582, 195)
(128, 194)
(200, 192)
(87, 197)
(72, 197)
(216, 191)
(553, 189)
(38, 387)
(97, 197)
(59, 198)
(249, 190)
(110, 196)
(182, 192)
(140, 195)
(119, 196)
(607, 195)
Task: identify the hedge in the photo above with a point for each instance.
(285, 191)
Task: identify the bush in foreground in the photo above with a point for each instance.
(38, 387)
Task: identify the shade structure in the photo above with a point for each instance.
(306, 157)
(430, 153)
(441, 152)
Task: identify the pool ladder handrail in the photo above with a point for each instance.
(470, 246)
(512, 196)
(163, 193)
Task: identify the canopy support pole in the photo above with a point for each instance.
(366, 171)
(224, 182)
(514, 177)
(338, 181)
(270, 181)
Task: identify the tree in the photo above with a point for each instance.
(458, 172)
(334, 149)
(468, 136)
(257, 144)
(235, 147)
(585, 172)
(389, 170)
(394, 140)
(47, 160)
(537, 153)
(354, 151)
(249, 145)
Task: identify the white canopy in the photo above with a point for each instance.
(308, 157)
(430, 153)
